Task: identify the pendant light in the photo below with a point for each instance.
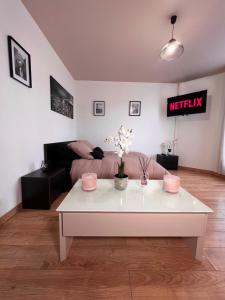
(173, 49)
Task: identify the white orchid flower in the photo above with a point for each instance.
(122, 140)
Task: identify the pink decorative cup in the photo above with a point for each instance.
(171, 183)
(89, 181)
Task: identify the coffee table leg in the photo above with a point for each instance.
(196, 245)
(64, 242)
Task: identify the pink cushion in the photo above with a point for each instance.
(88, 144)
(81, 148)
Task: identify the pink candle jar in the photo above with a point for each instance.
(171, 183)
(89, 181)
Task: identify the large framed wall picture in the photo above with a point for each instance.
(19, 62)
(61, 100)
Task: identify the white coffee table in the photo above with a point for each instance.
(134, 212)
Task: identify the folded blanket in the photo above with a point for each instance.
(108, 166)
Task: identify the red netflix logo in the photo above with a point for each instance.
(187, 104)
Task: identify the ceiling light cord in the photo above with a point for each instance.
(173, 21)
(172, 31)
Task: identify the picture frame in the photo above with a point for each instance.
(61, 100)
(135, 108)
(98, 108)
(19, 62)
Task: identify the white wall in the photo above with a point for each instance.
(150, 129)
(200, 135)
(26, 121)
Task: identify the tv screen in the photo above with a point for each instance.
(193, 103)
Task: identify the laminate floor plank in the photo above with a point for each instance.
(215, 239)
(22, 257)
(215, 225)
(177, 284)
(66, 284)
(216, 256)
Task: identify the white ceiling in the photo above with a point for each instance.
(120, 40)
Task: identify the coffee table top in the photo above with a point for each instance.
(148, 199)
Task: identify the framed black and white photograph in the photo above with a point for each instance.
(61, 100)
(134, 108)
(99, 108)
(19, 62)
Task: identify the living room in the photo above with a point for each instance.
(107, 56)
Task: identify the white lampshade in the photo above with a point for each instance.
(172, 50)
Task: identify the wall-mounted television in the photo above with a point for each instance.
(187, 104)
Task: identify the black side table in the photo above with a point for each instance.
(40, 189)
(169, 162)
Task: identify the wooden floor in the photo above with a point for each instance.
(113, 268)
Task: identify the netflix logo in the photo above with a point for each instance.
(187, 104)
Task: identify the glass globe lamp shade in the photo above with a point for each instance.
(172, 50)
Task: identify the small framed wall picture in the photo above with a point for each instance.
(19, 62)
(134, 108)
(98, 108)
